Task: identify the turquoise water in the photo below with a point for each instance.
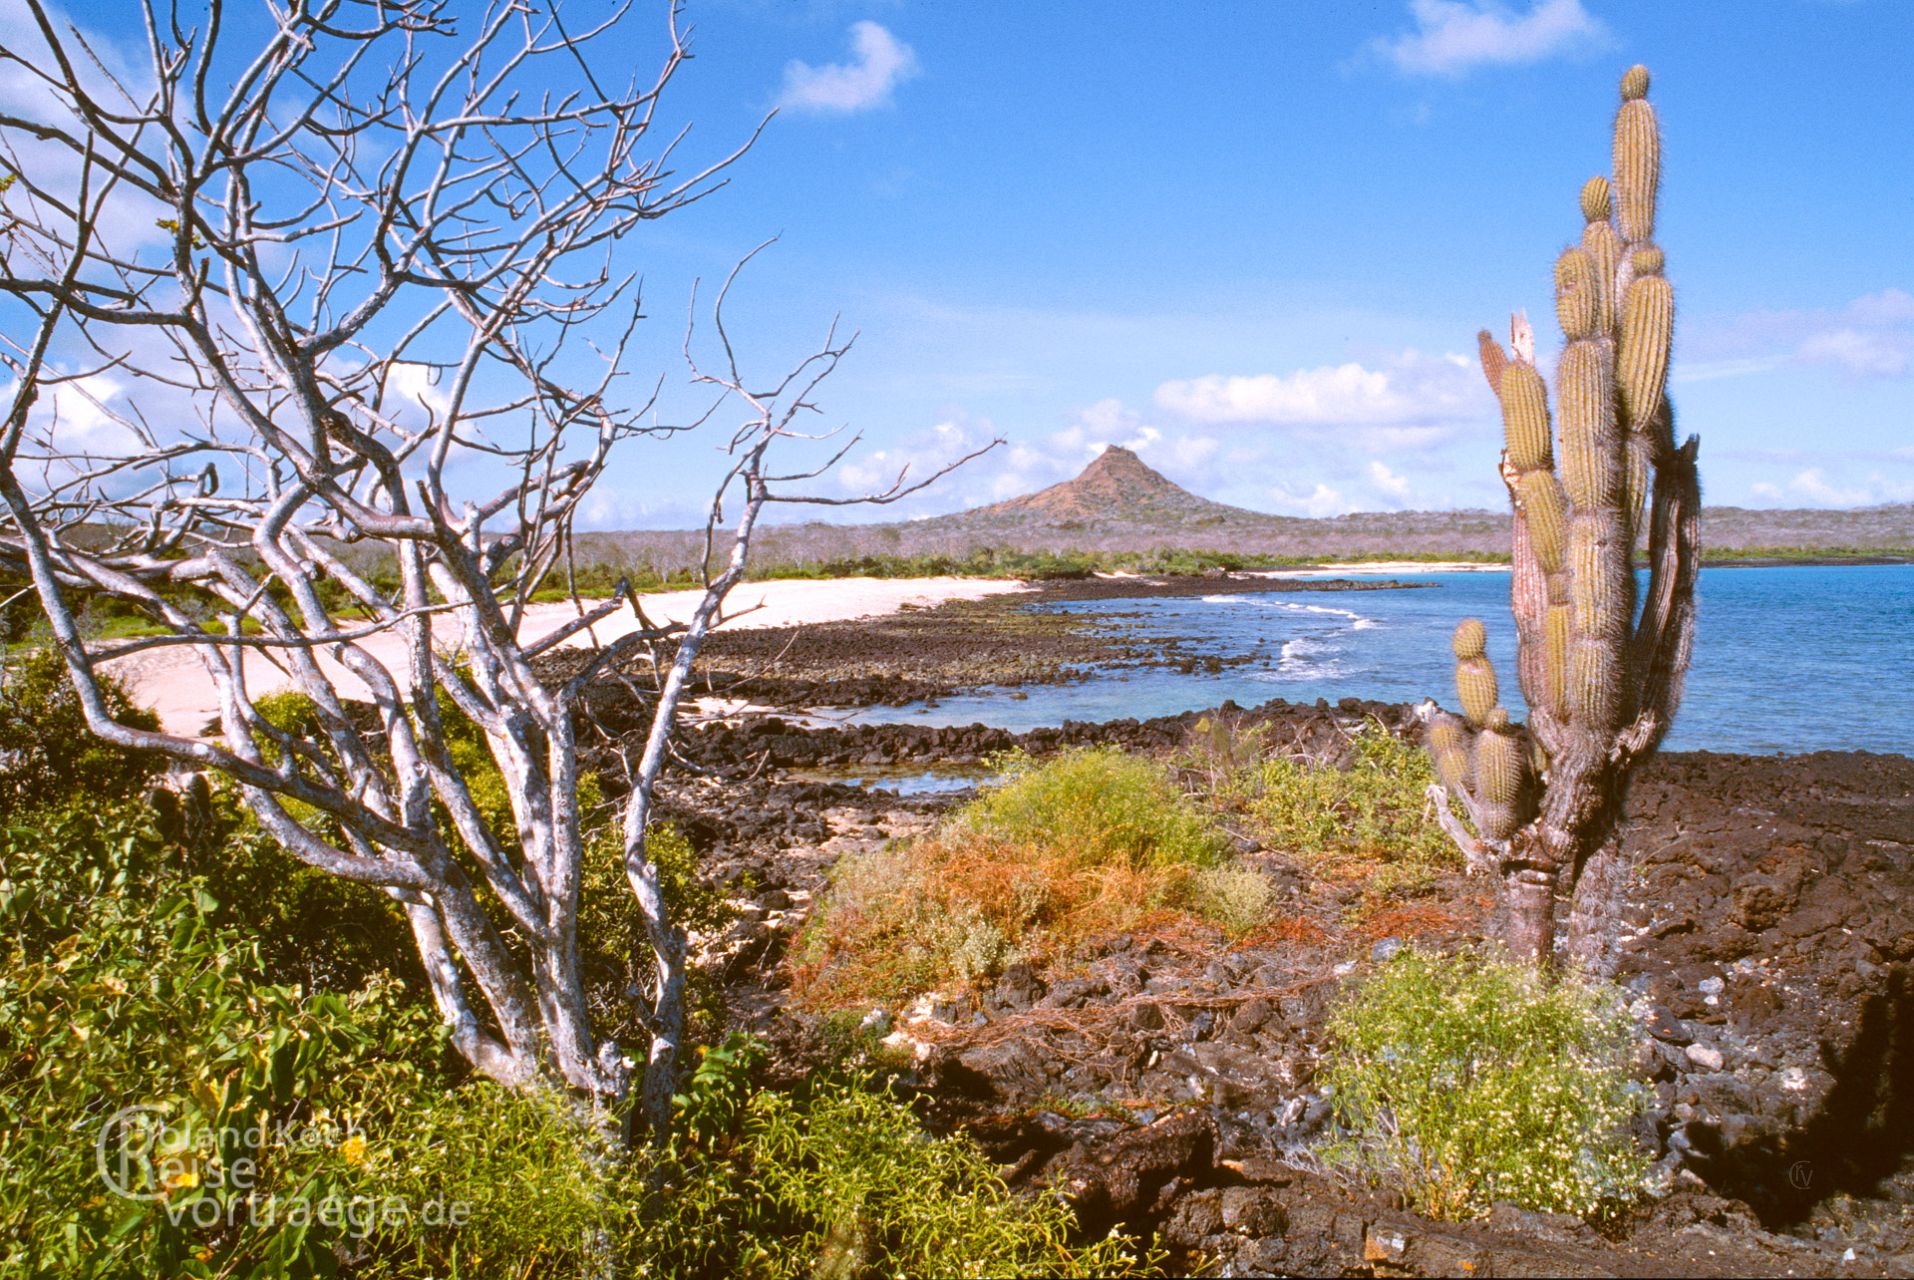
(1788, 659)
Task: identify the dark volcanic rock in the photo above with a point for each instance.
(1135, 1175)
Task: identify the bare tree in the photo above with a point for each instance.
(338, 270)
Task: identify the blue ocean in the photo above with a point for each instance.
(1786, 659)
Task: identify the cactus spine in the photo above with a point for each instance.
(1602, 678)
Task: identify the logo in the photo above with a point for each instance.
(129, 1154)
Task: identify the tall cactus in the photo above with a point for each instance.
(1601, 671)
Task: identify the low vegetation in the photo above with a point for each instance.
(1469, 1079)
(839, 1180)
(1088, 845)
(1372, 809)
(216, 1063)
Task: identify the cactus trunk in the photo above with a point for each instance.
(1602, 676)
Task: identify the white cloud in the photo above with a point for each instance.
(127, 219)
(1889, 306)
(1860, 352)
(921, 454)
(419, 384)
(1388, 482)
(1684, 372)
(1814, 488)
(1028, 464)
(77, 416)
(1452, 37)
(1414, 390)
(1189, 453)
(881, 63)
(1870, 337)
(1321, 501)
(1109, 422)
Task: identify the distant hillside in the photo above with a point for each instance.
(1120, 506)
(1118, 486)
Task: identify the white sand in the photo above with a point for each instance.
(1389, 566)
(173, 683)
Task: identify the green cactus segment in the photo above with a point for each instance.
(1591, 445)
(1475, 686)
(1471, 639)
(1501, 765)
(1596, 201)
(1558, 638)
(1578, 299)
(1637, 170)
(1494, 359)
(1501, 779)
(1604, 249)
(1594, 683)
(1635, 83)
(1547, 513)
(1648, 326)
(1646, 260)
(1635, 464)
(1597, 592)
(1449, 744)
(1525, 416)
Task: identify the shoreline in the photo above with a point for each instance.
(171, 683)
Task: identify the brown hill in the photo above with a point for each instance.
(1118, 490)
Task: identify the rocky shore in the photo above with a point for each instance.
(1168, 1082)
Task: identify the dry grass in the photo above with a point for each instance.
(1417, 920)
(1090, 846)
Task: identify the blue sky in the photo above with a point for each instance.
(1253, 239)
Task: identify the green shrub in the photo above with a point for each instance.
(1090, 844)
(1471, 1079)
(47, 755)
(120, 989)
(840, 1179)
(285, 1131)
(1374, 808)
(1097, 806)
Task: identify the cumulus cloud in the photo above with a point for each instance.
(80, 416)
(1105, 423)
(127, 219)
(1412, 390)
(1870, 337)
(1814, 488)
(1389, 482)
(1453, 37)
(922, 453)
(1318, 502)
(417, 383)
(880, 62)
(1859, 352)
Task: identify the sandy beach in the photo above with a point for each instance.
(1391, 567)
(172, 682)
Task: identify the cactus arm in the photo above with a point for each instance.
(1494, 359)
(1452, 743)
(1528, 602)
